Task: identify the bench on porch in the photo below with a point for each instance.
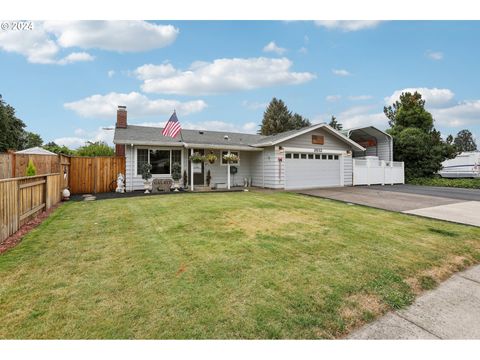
(161, 185)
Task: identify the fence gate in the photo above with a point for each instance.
(94, 174)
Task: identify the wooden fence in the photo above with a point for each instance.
(25, 197)
(94, 174)
(15, 165)
(80, 174)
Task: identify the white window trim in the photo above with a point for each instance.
(148, 159)
(231, 164)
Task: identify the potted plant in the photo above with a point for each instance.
(197, 158)
(146, 176)
(230, 158)
(176, 175)
(211, 158)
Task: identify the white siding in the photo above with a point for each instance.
(273, 173)
(305, 141)
(347, 170)
(134, 181)
(218, 171)
(256, 168)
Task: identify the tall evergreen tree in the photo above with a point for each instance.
(11, 128)
(277, 118)
(335, 124)
(415, 140)
(464, 141)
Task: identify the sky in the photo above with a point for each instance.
(66, 78)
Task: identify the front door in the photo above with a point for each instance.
(198, 177)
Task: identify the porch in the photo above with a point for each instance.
(219, 174)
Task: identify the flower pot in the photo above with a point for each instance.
(147, 185)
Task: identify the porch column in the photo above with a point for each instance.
(228, 171)
(191, 170)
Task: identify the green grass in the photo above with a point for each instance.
(231, 265)
(456, 183)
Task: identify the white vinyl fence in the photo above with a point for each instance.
(374, 171)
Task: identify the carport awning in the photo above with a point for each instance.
(366, 134)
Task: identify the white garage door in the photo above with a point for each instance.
(304, 170)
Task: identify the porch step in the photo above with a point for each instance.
(201, 188)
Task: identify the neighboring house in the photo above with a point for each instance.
(315, 156)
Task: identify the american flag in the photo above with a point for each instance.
(172, 127)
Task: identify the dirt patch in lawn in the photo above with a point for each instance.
(361, 308)
(14, 239)
(253, 221)
(430, 278)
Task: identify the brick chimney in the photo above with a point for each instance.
(121, 124)
(122, 117)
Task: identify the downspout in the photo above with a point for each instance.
(191, 170)
(228, 172)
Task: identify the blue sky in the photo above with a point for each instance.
(65, 79)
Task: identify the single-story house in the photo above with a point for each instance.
(315, 156)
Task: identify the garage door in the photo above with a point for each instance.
(304, 170)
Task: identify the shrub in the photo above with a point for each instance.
(176, 171)
(455, 183)
(146, 174)
(185, 178)
(31, 169)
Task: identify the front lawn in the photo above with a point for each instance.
(438, 181)
(231, 265)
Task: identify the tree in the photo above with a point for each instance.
(298, 121)
(415, 140)
(464, 141)
(12, 131)
(31, 169)
(11, 128)
(335, 124)
(409, 112)
(277, 118)
(98, 148)
(30, 140)
(57, 149)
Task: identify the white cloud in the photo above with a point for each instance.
(111, 73)
(45, 43)
(434, 55)
(123, 36)
(341, 72)
(461, 114)
(105, 106)
(254, 105)
(75, 57)
(272, 47)
(360, 97)
(333, 98)
(348, 25)
(82, 136)
(433, 97)
(220, 76)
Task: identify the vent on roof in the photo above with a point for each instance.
(225, 137)
(200, 132)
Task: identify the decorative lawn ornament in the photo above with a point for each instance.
(120, 183)
(176, 175)
(65, 194)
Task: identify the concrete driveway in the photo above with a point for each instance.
(451, 311)
(437, 203)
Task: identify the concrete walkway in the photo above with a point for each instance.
(451, 311)
(467, 212)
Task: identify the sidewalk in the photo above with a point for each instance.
(451, 311)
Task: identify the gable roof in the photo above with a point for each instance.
(35, 151)
(279, 138)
